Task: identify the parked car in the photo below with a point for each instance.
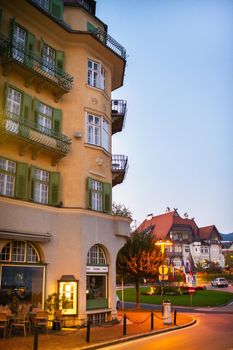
(219, 282)
(117, 302)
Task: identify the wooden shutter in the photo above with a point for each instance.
(34, 114)
(11, 28)
(57, 120)
(60, 58)
(31, 183)
(91, 28)
(89, 193)
(21, 181)
(56, 8)
(107, 197)
(30, 46)
(54, 183)
(5, 96)
(26, 107)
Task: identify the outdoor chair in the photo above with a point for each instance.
(3, 323)
(41, 319)
(21, 321)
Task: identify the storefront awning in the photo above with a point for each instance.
(25, 236)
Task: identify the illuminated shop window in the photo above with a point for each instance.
(68, 290)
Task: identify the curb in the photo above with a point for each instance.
(136, 336)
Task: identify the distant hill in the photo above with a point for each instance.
(227, 236)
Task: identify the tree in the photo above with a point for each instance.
(139, 258)
(121, 210)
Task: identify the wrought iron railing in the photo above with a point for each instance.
(109, 42)
(119, 163)
(15, 125)
(39, 64)
(119, 107)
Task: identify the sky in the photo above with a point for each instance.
(178, 85)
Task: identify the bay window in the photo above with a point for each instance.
(96, 75)
(98, 131)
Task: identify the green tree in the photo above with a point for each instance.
(121, 210)
(139, 258)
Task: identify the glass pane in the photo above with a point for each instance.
(23, 284)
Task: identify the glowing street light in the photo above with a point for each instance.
(162, 244)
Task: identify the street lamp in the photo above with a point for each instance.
(162, 244)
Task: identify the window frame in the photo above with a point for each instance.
(6, 174)
(14, 252)
(96, 74)
(98, 134)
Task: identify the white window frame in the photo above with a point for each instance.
(41, 186)
(19, 39)
(96, 75)
(45, 114)
(7, 177)
(48, 59)
(97, 195)
(98, 131)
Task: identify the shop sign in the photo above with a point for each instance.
(97, 269)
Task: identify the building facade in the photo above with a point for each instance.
(192, 245)
(58, 69)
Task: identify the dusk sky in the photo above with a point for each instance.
(178, 133)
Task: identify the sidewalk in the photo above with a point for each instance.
(138, 325)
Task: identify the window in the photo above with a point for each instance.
(13, 101)
(98, 131)
(49, 59)
(7, 177)
(204, 250)
(19, 251)
(19, 38)
(99, 195)
(187, 249)
(45, 118)
(96, 75)
(41, 186)
(96, 256)
(43, 3)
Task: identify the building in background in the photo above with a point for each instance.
(58, 68)
(191, 245)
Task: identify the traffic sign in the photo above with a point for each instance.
(163, 269)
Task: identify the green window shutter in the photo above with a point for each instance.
(31, 183)
(91, 28)
(107, 197)
(56, 8)
(54, 183)
(26, 108)
(11, 27)
(30, 45)
(35, 110)
(89, 193)
(57, 120)
(21, 181)
(5, 96)
(60, 58)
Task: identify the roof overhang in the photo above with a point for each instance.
(25, 236)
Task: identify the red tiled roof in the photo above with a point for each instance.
(162, 224)
(205, 232)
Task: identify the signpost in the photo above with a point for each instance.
(191, 292)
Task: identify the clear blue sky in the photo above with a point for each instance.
(178, 85)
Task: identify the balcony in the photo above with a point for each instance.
(35, 69)
(119, 168)
(34, 137)
(118, 115)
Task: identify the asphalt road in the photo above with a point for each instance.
(212, 331)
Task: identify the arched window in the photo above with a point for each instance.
(96, 256)
(19, 251)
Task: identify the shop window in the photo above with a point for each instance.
(97, 276)
(68, 289)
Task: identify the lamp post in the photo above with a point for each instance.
(162, 245)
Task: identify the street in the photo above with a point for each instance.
(213, 331)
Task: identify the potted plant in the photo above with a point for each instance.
(54, 305)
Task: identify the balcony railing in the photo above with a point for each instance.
(40, 65)
(109, 42)
(119, 168)
(12, 124)
(118, 115)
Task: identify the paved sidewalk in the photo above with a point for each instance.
(138, 325)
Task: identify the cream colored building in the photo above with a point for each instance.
(58, 69)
